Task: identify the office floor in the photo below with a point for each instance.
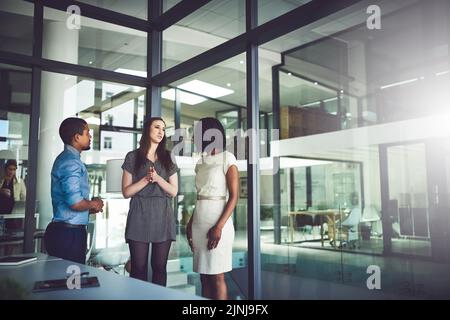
(373, 246)
(335, 274)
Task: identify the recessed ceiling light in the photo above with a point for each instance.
(289, 74)
(185, 97)
(90, 62)
(132, 72)
(93, 121)
(206, 89)
(241, 62)
(342, 91)
(196, 86)
(442, 73)
(228, 84)
(398, 83)
(315, 83)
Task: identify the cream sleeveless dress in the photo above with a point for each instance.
(210, 182)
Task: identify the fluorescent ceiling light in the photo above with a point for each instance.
(317, 102)
(287, 162)
(311, 104)
(93, 120)
(132, 72)
(398, 83)
(298, 163)
(206, 89)
(199, 87)
(185, 97)
(442, 73)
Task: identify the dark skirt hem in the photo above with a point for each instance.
(146, 241)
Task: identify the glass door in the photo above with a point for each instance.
(409, 209)
(438, 166)
(418, 215)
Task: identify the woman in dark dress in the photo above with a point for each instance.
(150, 179)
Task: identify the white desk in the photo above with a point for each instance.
(112, 286)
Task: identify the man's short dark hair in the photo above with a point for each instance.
(70, 127)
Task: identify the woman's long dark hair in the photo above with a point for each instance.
(144, 145)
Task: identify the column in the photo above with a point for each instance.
(57, 103)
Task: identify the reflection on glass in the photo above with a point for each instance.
(408, 197)
(367, 87)
(95, 44)
(213, 101)
(209, 26)
(15, 109)
(12, 14)
(110, 110)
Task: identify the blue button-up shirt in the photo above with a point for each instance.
(70, 185)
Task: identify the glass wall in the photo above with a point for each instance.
(15, 109)
(206, 28)
(348, 83)
(12, 14)
(95, 43)
(351, 100)
(112, 113)
(354, 178)
(205, 94)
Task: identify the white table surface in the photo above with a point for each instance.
(112, 286)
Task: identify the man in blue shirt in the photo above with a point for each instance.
(66, 235)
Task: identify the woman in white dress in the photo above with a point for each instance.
(210, 230)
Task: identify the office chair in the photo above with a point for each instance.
(113, 258)
(348, 229)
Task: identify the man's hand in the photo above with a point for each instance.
(97, 205)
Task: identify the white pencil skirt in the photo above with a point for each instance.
(218, 260)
